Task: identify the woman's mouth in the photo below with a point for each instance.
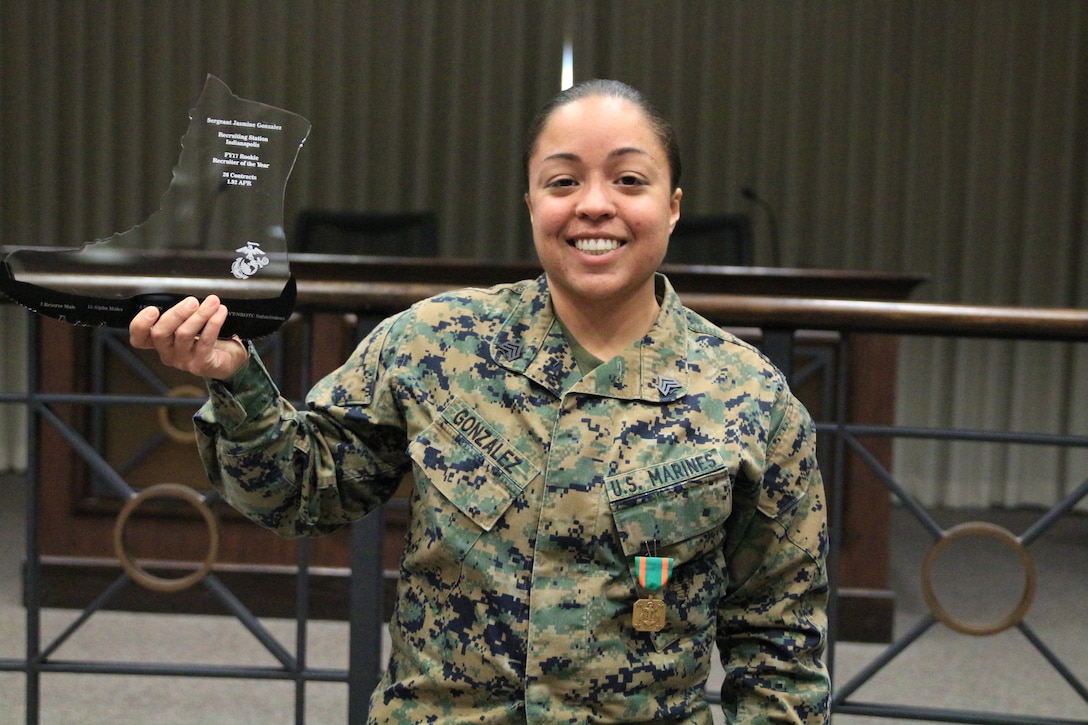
(596, 246)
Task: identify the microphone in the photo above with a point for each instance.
(772, 223)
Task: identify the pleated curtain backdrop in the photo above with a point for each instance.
(414, 105)
(12, 380)
(922, 136)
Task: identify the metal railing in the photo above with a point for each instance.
(779, 320)
(786, 318)
(40, 656)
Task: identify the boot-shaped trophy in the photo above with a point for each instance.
(218, 231)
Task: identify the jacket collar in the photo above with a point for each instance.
(653, 369)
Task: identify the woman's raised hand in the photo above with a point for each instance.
(186, 337)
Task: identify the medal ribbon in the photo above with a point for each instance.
(653, 571)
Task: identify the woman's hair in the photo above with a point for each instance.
(666, 134)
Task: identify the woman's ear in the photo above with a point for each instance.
(674, 208)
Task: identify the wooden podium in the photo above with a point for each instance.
(146, 440)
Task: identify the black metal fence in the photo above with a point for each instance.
(779, 322)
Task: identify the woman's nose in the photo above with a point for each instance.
(595, 201)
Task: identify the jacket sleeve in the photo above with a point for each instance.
(773, 618)
(308, 472)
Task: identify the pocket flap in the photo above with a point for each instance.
(670, 502)
(474, 467)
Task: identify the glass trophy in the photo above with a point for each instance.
(219, 230)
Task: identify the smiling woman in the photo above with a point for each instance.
(566, 435)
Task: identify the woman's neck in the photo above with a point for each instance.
(604, 329)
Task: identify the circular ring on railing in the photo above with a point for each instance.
(179, 434)
(992, 531)
(140, 575)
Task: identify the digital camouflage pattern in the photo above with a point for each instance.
(535, 488)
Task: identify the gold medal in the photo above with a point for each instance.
(649, 615)
(653, 574)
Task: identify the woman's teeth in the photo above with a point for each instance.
(596, 246)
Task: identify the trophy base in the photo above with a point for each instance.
(249, 318)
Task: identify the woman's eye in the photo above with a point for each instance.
(561, 183)
(630, 180)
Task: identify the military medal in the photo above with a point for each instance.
(653, 574)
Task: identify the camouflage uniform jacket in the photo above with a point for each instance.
(535, 488)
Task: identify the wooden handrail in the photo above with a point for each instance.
(768, 311)
(904, 318)
(764, 311)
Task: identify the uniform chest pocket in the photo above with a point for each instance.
(467, 475)
(677, 510)
(667, 504)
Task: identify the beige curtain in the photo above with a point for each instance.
(12, 380)
(414, 105)
(947, 138)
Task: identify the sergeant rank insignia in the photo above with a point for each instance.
(666, 386)
(653, 574)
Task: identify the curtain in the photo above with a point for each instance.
(12, 380)
(415, 105)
